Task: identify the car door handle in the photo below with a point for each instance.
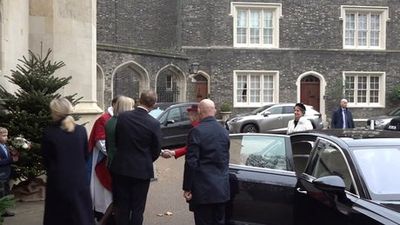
(301, 191)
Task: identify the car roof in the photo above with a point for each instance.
(183, 104)
(359, 137)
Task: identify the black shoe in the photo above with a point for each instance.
(8, 214)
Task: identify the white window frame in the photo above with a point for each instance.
(384, 18)
(382, 89)
(276, 8)
(275, 96)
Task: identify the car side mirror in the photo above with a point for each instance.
(333, 184)
(266, 113)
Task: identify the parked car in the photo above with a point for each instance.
(272, 117)
(314, 178)
(175, 123)
(393, 125)
(381, 121)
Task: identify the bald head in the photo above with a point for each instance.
(343, 103)
(206, 108)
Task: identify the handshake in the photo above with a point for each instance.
(167, 153)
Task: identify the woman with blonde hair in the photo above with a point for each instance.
(64, 147)
(122, 104)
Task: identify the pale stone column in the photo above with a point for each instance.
(68, 27)
(14, 35)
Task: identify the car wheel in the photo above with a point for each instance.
(250, 128)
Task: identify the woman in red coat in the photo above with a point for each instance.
(178, 152)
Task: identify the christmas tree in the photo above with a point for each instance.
(26, 112)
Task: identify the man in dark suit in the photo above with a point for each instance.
(138, 142)
(206, 175)
(342, 118)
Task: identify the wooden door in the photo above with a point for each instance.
(201, 90)
(310, 91)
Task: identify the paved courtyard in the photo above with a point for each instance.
(165, 195)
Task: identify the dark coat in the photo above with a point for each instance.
(68, 198)
(5, 164)
(337, 119)
(138, 142)
(206, 172)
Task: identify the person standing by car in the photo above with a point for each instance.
(299, 123)
(195, 120)
(342, 118)
(138, 143)
(64, 148)
(206, 175)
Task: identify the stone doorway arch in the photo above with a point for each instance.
(129, 79)
(318, 82)
(170, 84)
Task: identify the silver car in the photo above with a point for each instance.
(270, 118)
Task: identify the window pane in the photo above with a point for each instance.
(268, 88)
(255, 26)
(375, 27)
(330, 161)
(362, 89)
(268, 27)
(241, 89)
(241, 26)
(258, 151)
(349, 88)
(362, 29)
(350, 29)
(374, 89)
(255, 88)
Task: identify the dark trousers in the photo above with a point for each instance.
(209, 214)
(129, 196)
(4, 188)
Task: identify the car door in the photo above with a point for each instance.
(175, 125)
(273, 119)
(262, 180)
(327, 159)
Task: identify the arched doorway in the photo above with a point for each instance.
(310, 91)
(201, 87)
(129, 79)
(170, 84)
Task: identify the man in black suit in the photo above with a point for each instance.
(342, 118)
(138, 142)
(206, 175)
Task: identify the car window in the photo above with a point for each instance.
(174, 114)
(185, 114)
(288, 110)
(163, 118)
(258, 151)
(275, 110)
(330, 161)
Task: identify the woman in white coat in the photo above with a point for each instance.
(299, 123)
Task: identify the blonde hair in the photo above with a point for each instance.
(123, 104)
(61, 108)
(3, 130)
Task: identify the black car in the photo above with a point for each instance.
(175, 123)
(393, 125)
(315, 178)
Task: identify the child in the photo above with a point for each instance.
(6, 159)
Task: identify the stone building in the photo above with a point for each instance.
(251, 53)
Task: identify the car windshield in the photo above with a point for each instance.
(395, 112)
(380, 168)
